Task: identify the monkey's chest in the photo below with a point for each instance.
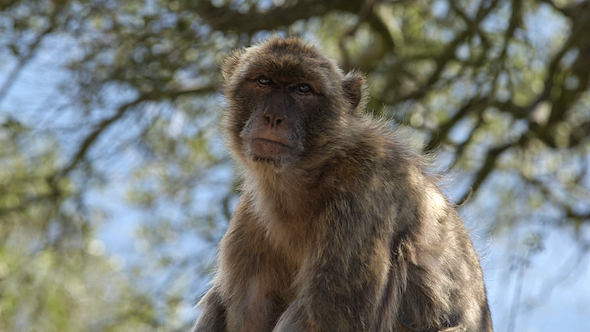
(287, 238)
(268, 295)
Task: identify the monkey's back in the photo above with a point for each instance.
(435, 274)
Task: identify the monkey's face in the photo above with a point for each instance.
(273, 131)
(285, 100)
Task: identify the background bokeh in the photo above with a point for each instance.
(115, 186)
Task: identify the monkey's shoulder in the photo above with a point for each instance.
(376, 160)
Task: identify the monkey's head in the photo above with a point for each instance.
(287, 102)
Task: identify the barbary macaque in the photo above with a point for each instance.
(339, 226)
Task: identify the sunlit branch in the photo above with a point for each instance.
(484, 171)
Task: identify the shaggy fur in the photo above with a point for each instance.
(339, 226)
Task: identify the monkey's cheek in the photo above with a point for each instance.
(266, 149)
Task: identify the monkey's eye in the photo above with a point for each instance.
(303, 88)
(264, 80)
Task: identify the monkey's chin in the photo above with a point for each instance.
(268, 151)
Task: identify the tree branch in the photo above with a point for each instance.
(91, 138)
(443, 130)
(448, 53)
(23, 60)
(106, 123)
(484, 171)
(226, 19)
(363, 16)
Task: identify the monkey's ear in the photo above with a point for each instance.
(230, 63)
(354, 89)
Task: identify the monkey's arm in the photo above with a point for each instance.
(345, 273)
(212, 317)
(249, 279)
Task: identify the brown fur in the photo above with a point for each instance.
(339, 227)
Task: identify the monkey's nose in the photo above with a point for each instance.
(272, 120)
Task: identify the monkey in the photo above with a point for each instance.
(339, 225)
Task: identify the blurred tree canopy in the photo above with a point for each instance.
(103, 100)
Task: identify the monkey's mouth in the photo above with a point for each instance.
(266, 150)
